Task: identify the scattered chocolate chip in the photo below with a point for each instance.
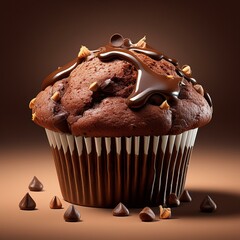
(35, 185)
(147, 215)
(55, 203)
(172, 200)
(185, 197)
(208, 205)
(72, 214)
(117, 40)
(120, 210)
(27, 203)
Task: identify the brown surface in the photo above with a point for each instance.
(211, 172)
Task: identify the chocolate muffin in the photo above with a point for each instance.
(121, 121)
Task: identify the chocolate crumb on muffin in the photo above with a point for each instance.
(121, 121)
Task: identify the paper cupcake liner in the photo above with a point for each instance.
(138, 171)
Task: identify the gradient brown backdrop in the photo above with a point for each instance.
(38, 36)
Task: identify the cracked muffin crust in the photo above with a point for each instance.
(98, 94)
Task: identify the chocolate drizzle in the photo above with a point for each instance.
(60, 73)
(154, 54)
(148, 82)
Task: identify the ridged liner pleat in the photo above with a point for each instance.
(136, 171)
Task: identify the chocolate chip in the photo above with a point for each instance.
(164, 213)
(117, 40)
(172, 200)
(127, 43)
(156, 99)
(185, 197)
(147, 215)
(208, 205)
(27, 203)
(120, 210)
(72, 214)
(35, 185)
(55, 203)
(60, 121)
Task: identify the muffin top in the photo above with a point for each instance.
(121, 89)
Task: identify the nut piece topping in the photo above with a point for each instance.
(84, 52)
(34, 116)
(199, 89)
(187, 70)
(94, 86)
(141, 43)
(164, 212)
(165, 105)
(170, 76)
(32, 102)
(56, 96)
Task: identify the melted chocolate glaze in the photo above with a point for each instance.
(155, 83)
(148, 82)
(60, 73)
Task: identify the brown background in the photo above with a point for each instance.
(38, 36)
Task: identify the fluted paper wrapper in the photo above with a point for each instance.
(137, 171)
